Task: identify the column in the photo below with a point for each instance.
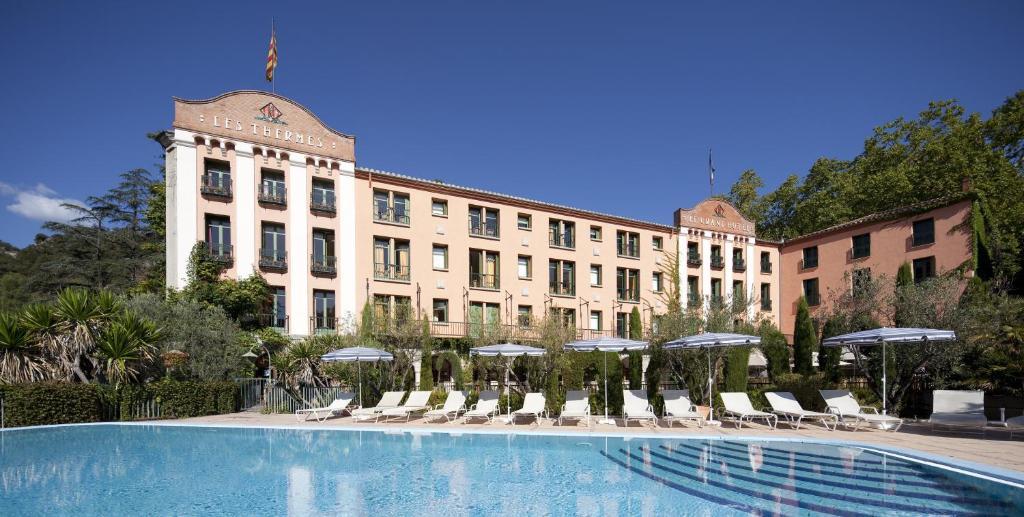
(683, 274)
(727, 280)
(245, 218)
(705, 268)
(182, 207)
(752, 290)
(298, 293)
(347, 248)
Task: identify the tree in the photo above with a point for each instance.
(125, 346)
(804, 339)
(20, 358)
(636, 328)
(240, 299)
(744, 195)
(775, 349)
(426, 359)
(829, 356)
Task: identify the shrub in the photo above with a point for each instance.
(775, 349)
(51, 403)
(736, 368)
(189, 399)
(804, 339)
(805, 389)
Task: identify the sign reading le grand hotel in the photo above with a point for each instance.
(715, 215)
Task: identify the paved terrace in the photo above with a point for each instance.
(994, 448)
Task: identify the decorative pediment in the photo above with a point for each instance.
(715, 215)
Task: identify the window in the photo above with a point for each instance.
(627, 284)
(595, 275)
(861, 246)
(924, 268)
(278, 309)
(656, 282)
(216, 180)
(738, 264)
(272, 249)
(738, 294)
(861, 279)
(390, 207)
(390, 311)
(622, 325)
(524, 315)
(810, 257)
(716, 290)
(322, 198)
(717, 261)
(390, 259)
(524, 221)
(483, 221)
(323, 259)
(323, 310)
(595, 233)
(562, 277)
(657, 242)
(484, 269)
(272, 190)
(561, 234)
(440, 255)
(766, 297)
(627, 244)
(525, 267)
(595, 320)
(811, 292)
(566, 316)
(692, 254)
(692, 291)
(440, 312)
(924, 232)
(218, 236)
(439, 207)
(766, 262)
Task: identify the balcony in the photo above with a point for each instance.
(484, 230)
(391, 272)
(517, 331)
(813, 299)
(766, 304)
(219, 253)
(323, 265)
(627, 295)
(277, 322)
(717, 262)
(216, 186)
(321, 324)
(323, 204)
(717, 300)
(484, 281)
(693, 300)
(561, 289)
(561, 240)
(391, 215)
(273, 259)
(693, 259)
(739, 264)
(628, 250)
(766, 268)
(273, 195)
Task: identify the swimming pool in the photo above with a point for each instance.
(164, 470)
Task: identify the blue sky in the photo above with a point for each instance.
(600, 105)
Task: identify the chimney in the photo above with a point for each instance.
(965, 184)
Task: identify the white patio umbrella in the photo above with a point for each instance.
(885, 335)
(606, 344)
(359, 355)
(507, 350)
(707, 341)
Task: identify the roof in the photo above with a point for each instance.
(498, 197)
(268, 94)
(889, 215)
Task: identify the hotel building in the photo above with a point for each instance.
(267, 187)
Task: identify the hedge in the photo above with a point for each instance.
(192, 398)
(51, 403)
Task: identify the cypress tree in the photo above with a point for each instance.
(737, 372)
(426, 359)
(828, 357)
(804, 340)
(636, 329)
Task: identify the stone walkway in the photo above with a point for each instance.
(995, 447)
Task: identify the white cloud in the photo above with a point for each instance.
(40, 203)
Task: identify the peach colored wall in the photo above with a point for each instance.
(890, 247)
(211, 205)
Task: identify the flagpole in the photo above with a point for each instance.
(711, 173)
(273, 78)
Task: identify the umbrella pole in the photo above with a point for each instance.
(606, 385)
(508, 396)
(710, 382)
(884, 390)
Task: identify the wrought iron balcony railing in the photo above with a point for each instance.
(562, 288)
(717, 261)
(561, 240)
(483, 230)
(274, 195)
(391, 215)
(321, 324)
(766, 267)
(391, 272)
(273, 259)
(321, 203)
(628, 250)
(219, 186)
(693, 259)
(219, 252)
(323, 265)
(274, 321)
(484, 281)
(739, 264)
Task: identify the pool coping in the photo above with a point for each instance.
(969, 468)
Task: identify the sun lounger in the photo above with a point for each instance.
(577, 407)
(390, 399)
(739, 409)
(485, 407)
(1014, 424)
(416, 402)
(678, 407)
(842, 403)
(453, 406)
(636, 407)
(533, 405)
(338, 406)
(784, 404)
(959, 409)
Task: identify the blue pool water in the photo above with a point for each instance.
(171, 470)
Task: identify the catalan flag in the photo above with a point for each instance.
(272, 56)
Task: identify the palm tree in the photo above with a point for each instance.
(81, 319)
(44, 327)
(124, 345)
(19, 358)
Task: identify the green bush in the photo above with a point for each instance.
(736, 368)
(51, 403)
(804, 388)
(189, 399)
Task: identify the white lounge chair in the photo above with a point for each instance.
(454, 405)
(416, 402)
(678, 407)
(486, 407)
(738, 407)
(958, 408)
(390, 399)
(577, 407)
(636, 407)
(788, 407)
(533, 405)
(842, 403)
(338, 406)
(1014, 424)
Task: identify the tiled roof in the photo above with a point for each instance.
(584, 212)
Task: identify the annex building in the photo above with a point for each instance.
(267, 187)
